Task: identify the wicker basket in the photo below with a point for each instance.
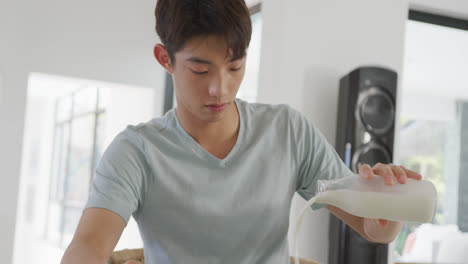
(121, 256)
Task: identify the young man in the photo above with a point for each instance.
(212, 181)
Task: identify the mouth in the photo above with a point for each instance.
(216, 107)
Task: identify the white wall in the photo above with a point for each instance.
(11, 119)
(307, 47)
(104, 40)
(109, 40)
(1, 86)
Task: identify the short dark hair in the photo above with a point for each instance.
(177, 21)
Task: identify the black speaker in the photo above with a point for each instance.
(365, 133)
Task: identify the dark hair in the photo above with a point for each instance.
(177, 21)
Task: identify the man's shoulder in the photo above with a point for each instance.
(279, 115)
(263, 110)
(149, 128)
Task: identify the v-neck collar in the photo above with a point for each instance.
(203, 152)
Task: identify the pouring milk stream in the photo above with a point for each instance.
(414, 201)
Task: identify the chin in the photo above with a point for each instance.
(214, 118)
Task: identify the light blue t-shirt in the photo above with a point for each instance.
(192, 207)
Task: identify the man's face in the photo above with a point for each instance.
(206, 80)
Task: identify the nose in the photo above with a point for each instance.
(218, 87)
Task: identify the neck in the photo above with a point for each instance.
(209, 133)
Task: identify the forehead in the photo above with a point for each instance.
(206, 47)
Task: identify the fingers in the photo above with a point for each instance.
(389, 172)
(383, 222)
(400, 174)
(386, 172)
(366, 171)
(411, 174)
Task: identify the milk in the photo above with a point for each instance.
(414, 201)
(402, 207)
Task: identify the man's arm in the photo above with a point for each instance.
(370, 229)
(95, 238)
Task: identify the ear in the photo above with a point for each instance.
(161, 54)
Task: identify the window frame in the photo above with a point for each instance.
(57, 163)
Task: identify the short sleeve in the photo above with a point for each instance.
(118, 181)
(317, 159)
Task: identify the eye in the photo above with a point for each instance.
(199, 73)
(236, 69)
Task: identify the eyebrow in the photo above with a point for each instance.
(202, 61)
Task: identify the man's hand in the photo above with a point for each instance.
(381, 230)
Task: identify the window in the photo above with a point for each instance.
(77, 148)
(434, 122)
(69, 123)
